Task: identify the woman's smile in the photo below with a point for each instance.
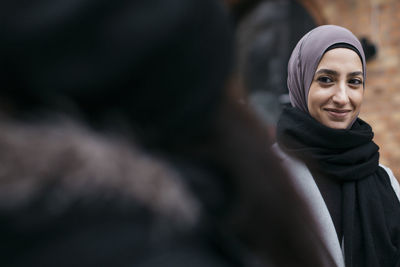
(338, 114)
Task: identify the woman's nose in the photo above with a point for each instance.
(340, 96)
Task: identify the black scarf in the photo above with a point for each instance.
(370, 209)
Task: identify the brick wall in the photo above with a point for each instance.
(379, 21)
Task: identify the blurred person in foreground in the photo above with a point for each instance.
(331, 153)
(122, 143)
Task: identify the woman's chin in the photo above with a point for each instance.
(336, 124)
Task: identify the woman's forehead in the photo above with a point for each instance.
(341, 59)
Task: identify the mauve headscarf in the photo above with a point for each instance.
(306, 56)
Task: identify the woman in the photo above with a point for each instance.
(145, 165)
(331, 154)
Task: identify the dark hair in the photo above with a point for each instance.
(98, 62)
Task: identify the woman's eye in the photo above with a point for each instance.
(325, 79)
(355, 81)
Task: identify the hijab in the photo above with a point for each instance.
(308, 53)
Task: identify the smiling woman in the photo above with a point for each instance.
(330, 152)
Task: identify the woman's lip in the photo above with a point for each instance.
(338, 113)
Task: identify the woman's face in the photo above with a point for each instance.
(337, 90)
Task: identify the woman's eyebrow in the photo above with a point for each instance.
(327, 71)
(335, 73)
(355, 73)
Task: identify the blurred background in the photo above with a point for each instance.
(269, 29)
